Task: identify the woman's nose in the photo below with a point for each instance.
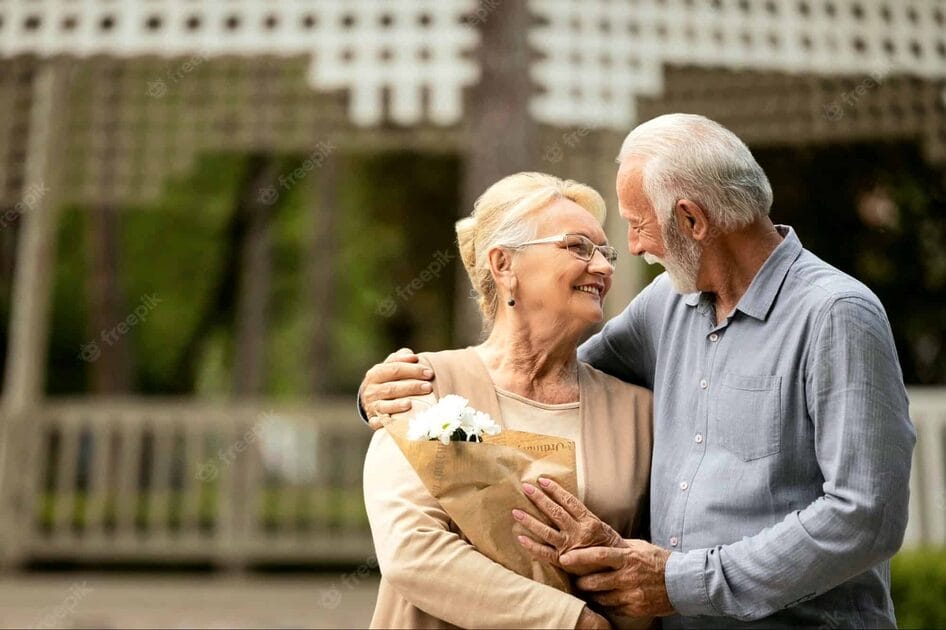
(599, 264)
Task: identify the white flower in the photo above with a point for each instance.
(419, 428)
(483, 423)
(451, 412)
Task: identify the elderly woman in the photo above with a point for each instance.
(538, 258)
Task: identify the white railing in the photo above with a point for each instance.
(927, 524)
(236, 485)
(230, 485)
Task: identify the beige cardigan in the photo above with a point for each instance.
(431, 576)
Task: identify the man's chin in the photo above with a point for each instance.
(681, 285)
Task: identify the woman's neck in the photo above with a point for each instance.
(539, 363)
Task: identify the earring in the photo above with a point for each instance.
(511, 302)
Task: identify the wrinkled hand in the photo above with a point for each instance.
(388, 386)
(628, 580)
(576, 527)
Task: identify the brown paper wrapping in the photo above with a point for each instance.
(478, 485)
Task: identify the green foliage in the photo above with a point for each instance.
(918, 585)
(175, 249)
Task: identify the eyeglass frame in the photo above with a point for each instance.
(561, 238)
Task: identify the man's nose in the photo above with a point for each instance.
(634, 243)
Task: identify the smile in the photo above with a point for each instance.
(593, 289)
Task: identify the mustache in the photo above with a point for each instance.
(650, 259)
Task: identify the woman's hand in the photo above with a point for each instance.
(590, 620)
(577, 526)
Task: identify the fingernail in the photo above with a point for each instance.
(428, 373)
(521, 539)
(528, 489)
(425, 386)
(543, 482)
(518, 514)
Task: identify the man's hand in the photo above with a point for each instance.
(629, 580)
(388, 385)
(575, 525)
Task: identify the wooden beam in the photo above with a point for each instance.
(32, 283)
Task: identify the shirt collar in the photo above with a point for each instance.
(759, 297)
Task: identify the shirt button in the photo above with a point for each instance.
(704, 384)
(684, 485)
(673, 541)
(714, 337)
(699, 438)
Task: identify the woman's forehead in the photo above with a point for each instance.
(564, 215)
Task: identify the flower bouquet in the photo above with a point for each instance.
(475, 470)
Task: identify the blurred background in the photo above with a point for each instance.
(216, 214)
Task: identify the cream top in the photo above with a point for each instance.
(561, 420)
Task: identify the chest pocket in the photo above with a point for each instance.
(747, 418)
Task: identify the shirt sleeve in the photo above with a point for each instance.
(361, 410)
(625, 347)
(435, 569)
(863, 444)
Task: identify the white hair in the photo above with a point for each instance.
(692, 157)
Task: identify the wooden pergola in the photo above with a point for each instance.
(101, 103)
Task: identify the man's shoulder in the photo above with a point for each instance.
(819, 285)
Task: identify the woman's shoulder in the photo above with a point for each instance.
(609, 383)
(443, 357)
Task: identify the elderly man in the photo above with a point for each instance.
(782, 441)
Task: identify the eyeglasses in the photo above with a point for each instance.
(579, 245)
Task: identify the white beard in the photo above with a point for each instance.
(682, 261)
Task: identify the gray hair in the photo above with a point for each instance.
(692, 157)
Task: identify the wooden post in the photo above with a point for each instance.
(256, 210)
(32, 285)
(320, 289)
(501, 136)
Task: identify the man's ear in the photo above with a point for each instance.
(692, 219)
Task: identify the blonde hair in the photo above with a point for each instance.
(503, 217)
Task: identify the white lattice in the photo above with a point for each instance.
(599, 55)
(365, 46)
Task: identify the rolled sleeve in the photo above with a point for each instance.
(685, 579)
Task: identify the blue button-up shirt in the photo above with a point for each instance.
(782, 444)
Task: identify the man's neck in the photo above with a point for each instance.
(733, 260)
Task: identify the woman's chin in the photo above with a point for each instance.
(591, 315)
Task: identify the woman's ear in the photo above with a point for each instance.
(500, 262)
(692, 219)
